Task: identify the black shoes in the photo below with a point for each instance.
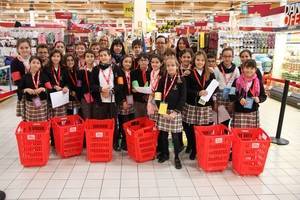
(2, 195)
(192, 156)
(177, 163)
(188, 149)
(117, 147)
(162, 158)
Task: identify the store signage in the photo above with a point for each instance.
(63, 15)
(128, 9)
(292, 14)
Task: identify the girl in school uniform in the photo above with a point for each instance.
(225, 74)
(117, 51)
(34, 85)
(85, 85)
(249, 93)
(19, 67)
(185, 57)
(157, 72)
(72, 80)
(170, 97)
(125, 108)
(141, 77)
(106, 89)
(197, 112)
(80, 49)
(57, 76)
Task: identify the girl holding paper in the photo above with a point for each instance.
(126, 108)
(170, 98)
(34, 85)
(84, 84)
(57, 76)
(249, 93)
(106, 89)
(197, 111)
(141, 78)
(19, 67)
(225, 74)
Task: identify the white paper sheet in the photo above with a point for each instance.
(210, 90)
(59, 98)
(143, 90)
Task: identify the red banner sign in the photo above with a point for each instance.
(292, 14)
(63, 15)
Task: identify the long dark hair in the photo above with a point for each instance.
(162, 69)
(116, 42)
(186, 42)
(51, 54)
(132, 60)
(65, 61)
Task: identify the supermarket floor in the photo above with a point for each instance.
(122, 178)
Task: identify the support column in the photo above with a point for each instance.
(139, 16)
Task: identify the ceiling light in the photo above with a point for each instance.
(16, 16)
(36, 14)
(46, 17)
(7, 6)
(21, 10)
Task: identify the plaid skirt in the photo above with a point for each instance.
(59, 111)
(197, 115)
(170, 125)
(245, 120)
(20, 108)
(73, 104)
(122, 111)
(229, 105)
(154, 116)
(34, 114)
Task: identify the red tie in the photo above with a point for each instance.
(144, 76)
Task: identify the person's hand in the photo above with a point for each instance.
(57, 88)
(256, 99)
(173, 115)
(134, 91)
(203, 93)
(105, 92)
(73, 94)
(167, 116)
(186, 72)
(125, 105)
(243, 101)
(40, 90)
(29, 91)
(65, 90)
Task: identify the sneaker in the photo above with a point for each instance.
(177, 163)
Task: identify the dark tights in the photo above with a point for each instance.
(164, 143)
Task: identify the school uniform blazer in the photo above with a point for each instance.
(17, 72)
(124, 87)
(239, 95)
(26, 82)
(70, 77)
(177, 96)
(136, 75)
(63, 77)
(96, 89)
(83, 87)
(193, 88)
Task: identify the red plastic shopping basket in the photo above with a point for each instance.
(213, 145)
(249, 150)
(33, 143)
(99, 139)
(68, 135)
(141, 139)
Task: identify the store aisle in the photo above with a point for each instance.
(75, 178)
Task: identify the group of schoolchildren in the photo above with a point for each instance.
(102, 83)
